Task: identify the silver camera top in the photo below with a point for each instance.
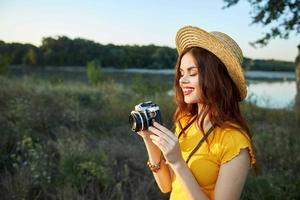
(148, 105)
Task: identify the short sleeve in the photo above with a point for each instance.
(232, 143)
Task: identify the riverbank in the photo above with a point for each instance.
(70, 140)
(266, 89)
(253, 74)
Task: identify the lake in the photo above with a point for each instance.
(265, 89)
(272, 94)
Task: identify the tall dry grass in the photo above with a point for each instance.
(71, 140)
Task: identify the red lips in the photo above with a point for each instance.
(187, 90)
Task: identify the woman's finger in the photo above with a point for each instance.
(167, 145)
(164, 131)
(160, 140)
(159, 145)
(159, 133)
(144, 133)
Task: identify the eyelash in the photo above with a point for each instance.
(193, 74)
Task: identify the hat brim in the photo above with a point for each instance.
(190, 36)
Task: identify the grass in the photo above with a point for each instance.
(70, 140)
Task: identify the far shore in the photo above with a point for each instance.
(253, 74)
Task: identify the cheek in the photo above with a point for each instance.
(196, 85)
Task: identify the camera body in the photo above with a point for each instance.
(143, 116)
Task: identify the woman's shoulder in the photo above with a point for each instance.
(229, 133)
(231, 130)
(231, 139)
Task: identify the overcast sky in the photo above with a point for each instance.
(135, 22)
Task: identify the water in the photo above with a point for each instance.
(265, 89)
(248, 74)
(272, 94)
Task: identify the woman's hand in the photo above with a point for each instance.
(167, 142)
(145, 134)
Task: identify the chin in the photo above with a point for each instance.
(190, 101)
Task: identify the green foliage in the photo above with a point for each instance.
(268, 65)
(56, 79)
(4, 62)
(273, 65)
(94, 73)
(16, 51)
(271, 187)
(63, 51)
(82, 166)
(30, 58)
(73, 141)
(149, 85)
(37, 157)
(282, 15)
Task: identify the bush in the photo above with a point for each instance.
(40, 159)
(80, 167)
(94, 73)
(4, 62)
(73, 141)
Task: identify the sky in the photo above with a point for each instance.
(136, 22)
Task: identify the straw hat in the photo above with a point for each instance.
(220, 44)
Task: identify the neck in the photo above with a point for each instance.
(200, 108)
(207, 123)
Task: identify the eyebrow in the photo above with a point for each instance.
(188, 69)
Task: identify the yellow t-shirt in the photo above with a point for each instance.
(224, 145)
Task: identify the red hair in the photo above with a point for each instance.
(219, 94)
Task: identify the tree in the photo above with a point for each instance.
(4, 62)
(297, 98)
(30, 58)
(282, 15)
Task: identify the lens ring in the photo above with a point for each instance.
(147, 119)
(132, 121)
(139, 121)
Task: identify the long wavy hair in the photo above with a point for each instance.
(219, 95)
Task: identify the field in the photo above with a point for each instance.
(66, 139)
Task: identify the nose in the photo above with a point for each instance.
(183, 79)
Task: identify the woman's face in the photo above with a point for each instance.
(189, 79)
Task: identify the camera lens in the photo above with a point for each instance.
(132, 122)
(137, 121)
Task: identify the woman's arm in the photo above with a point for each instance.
(163, 177)
(168, 144)
(230, 182)
(232, 175)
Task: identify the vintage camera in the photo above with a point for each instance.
(143, 116)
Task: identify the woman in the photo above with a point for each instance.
(211, 152)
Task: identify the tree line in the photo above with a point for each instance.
(63, 51)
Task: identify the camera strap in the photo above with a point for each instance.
(200, 142)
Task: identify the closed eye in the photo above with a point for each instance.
(191, 74)
(192, 71)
